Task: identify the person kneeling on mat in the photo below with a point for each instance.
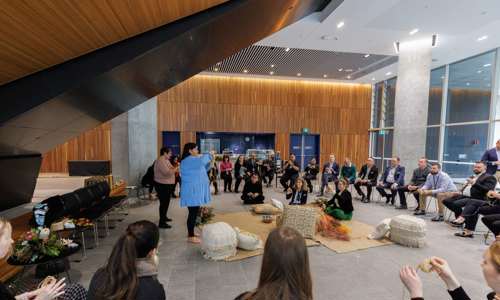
(252, 192)
(340, 206)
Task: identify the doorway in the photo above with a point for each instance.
(305, 147)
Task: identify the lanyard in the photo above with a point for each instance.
(436, 180)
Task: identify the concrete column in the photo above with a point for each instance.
(412, 101)
(134, 141)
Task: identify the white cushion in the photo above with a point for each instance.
(218, 241)
(381, 230)
(278, 204)
(248, 241)
(408, 231)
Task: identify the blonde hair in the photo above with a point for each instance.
(304, 185)
(494, 252)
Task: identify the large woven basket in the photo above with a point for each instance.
(408, 231)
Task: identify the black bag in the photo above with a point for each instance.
(149, 178)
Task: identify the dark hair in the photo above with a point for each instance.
(285, 272)
(224, 157)
(173, 158)
(238, 160)
(120, 280)
(481, 162)
(164, 150)
(185, 151)
(436, 164)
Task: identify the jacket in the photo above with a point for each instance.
(372, 176)
(439, 183)
(311, 170)
(251, 166)
(348, 173)
(489, 157)
(344, 201)
(419, 176)
(460, 294)
(252, 188)
(302, 197)
(335, 169)
(482, 186)
(399, 175)
(289, 170)
(149, 288)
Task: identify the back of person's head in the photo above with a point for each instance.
(187, 147)
(165, 150)
(285, 273)
(121, 281)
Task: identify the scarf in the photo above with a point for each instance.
(146, 267)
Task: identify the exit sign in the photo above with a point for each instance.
(305, 130)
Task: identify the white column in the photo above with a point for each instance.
(412, 101)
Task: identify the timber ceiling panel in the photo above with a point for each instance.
(38, 34)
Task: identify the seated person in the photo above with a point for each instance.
(311, 172)
(348, 171)
(298, 193)
(340, 206)
(393, 177)
(490, 267)
(330, 173)
(417, 181)
(367, 176)
(132, 268)
(473, 196)
(291, 172)
(283, 277)
(438, 184)
(251, 165)
(252, 191)
(268, 170)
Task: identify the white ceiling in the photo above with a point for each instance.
(372, 26)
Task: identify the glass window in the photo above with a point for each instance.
(469, 89)
(496, 134)
(378, 144)
(378, 163)
(436, 96)
(465, 143)
(458, 171)
(390, 98)
(377, 104)
(432, 143)
(388, 136)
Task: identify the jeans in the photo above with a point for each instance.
(164, 193)
(191, 220)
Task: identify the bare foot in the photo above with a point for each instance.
(194, 240)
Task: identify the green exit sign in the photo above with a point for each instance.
(305, 130)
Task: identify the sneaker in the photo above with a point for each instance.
(419, 213)
(437, 219)
(401, 207)
(417, 209)
(164, 226)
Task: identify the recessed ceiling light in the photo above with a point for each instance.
(216, 69)
(271, 73)
(340, 70)
(348, 76)
(324, 75)
(245, 71)
(373, 78)
(486, 65)
(388, 73)
(287, 49)
(272, 66)
(414, 31)
(482, 38)
(340, 24)
(299, 74)
(367, 55)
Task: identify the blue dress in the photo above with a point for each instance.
(195, 187)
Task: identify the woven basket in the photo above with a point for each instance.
(218, 241)
(408, 231)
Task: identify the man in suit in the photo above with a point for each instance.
(492, 159)
(473, 196)
(393, 178)
(330, 173)
(251, 165)
(367, 176)
(417, 180)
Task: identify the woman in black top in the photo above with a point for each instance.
(311, 173)
(252, 192)
(340, 206)
(491, 273)
(297, 194)
(239, 172)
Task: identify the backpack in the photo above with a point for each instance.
(149, 178)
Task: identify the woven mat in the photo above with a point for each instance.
(252, 223)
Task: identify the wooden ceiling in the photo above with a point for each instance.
(37, 34)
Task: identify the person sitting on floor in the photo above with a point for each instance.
(291, 172)
(252, 191)
(438, 184)
(297, 194)
(417, 181)
(490, 267)
(367, 176)
(311, 173)
(348, 171)
(330, 173)
(393, 177)
(283, 277)
(340, 206)
(473, 196)
(132, 268)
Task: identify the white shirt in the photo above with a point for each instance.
(498, 157)
(390, 176)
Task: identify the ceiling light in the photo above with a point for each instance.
(340, 24)
(414, 31)
(482, 38)
(271, 73)
(467, 84)
(218, 63)
(340, 70)
(245, 71)
(348, 76)
(287, 49)
(299, 74)
(216, 69)
(434, 40)
(324, 75)
(367, 55)
(486, 65)
(272, 66)
(373, 78)
(388, 73)
(396, 47)
(348, 70)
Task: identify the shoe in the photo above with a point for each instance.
(363, 199)
(174, 196)
(416, 209)
(387, 201)
(164, 226)
(401, 207)
(168, 219)
(437, 219)
(419, 213)
(455, 224)
(464, 235)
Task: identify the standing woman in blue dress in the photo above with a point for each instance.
(195, 188)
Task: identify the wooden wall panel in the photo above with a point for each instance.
(339, 112)
(94, 144)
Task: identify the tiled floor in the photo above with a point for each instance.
(367, 274)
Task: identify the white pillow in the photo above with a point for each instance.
(381, 230)
(408, 231)
(278, 204)
(248, 241)
(218, 241)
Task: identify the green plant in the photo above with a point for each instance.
(205, 214)
(38, 244)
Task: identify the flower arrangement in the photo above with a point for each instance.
(38, 244)
(205, 214)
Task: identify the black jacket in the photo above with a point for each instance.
(252, 188)
(302, 197)
(335, 169)
(460, 294)
(289, 170)
(4, 293)
(344, 199)
(483, 185)
(251, 166)
(372, 176)
(149, 287)
(312, 170)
